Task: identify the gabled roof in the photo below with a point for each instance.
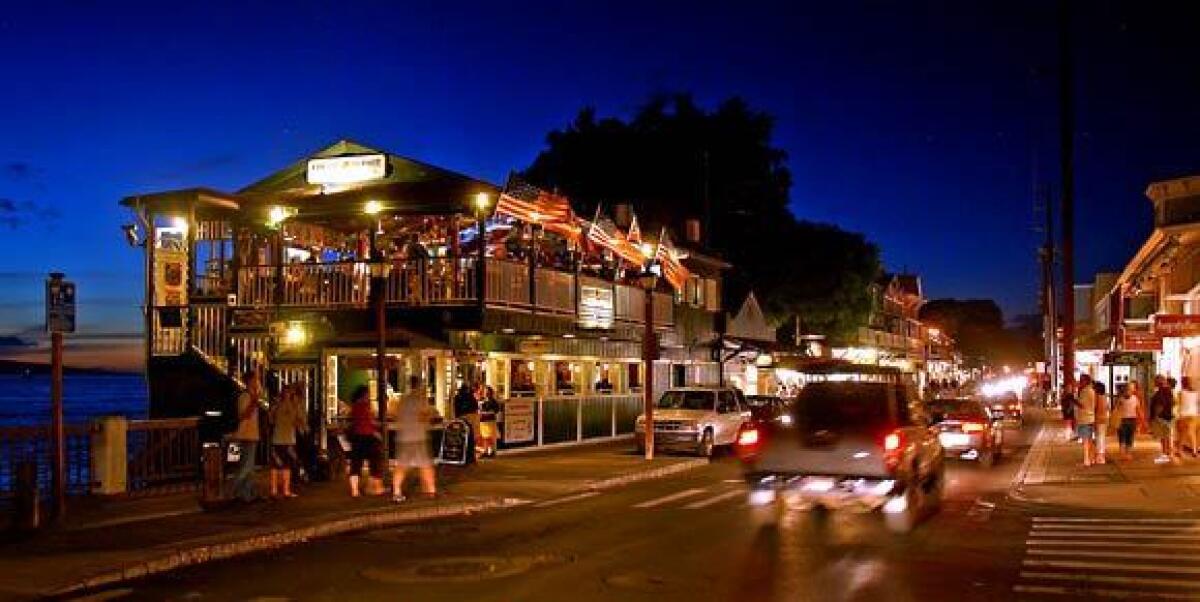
(410, 186)
(750, 323)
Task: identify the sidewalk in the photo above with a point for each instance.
(1054, 474)
(103, 543)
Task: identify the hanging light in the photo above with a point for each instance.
(372, 207)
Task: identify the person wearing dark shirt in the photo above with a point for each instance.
(365, 445)
(1162, 419)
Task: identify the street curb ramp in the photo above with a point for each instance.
(205, 553)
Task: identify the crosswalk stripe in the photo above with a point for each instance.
(1101, 528)
(1120, 580)
(1083, 564)
(1074, 543)
(716, 499)
(1100, 592)
(1067, 519)
(563, 500)
(670, 498)
(1117, 536)
(1116, 555)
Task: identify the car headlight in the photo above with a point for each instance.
(785, 419)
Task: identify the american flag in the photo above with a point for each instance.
(533, 205)
(604, 233)
(668, 262)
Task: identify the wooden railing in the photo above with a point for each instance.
(555, 291)
(162, 455)
(208, 330)
(507, 283)
(167, 341)
(325, 284)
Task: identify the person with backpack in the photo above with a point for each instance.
(466, 408)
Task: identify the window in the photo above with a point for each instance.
(728, 403)
(686, 400)
(520, 377)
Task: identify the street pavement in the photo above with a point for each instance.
(685, 537)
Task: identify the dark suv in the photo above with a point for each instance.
(850, 444)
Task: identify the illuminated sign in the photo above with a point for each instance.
(595, 307)
(1177, 325)
(347, 170)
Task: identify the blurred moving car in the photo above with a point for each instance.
(1007, 406)
(859, 445)
(968, 430)
(769, 408)
(696, 419)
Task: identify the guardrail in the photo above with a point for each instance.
(162, 454)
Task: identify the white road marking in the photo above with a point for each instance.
(1074, 543)
(1065, 519)
(1116, 555)
(570, 498)
(1116, 536)
(1120, 580)
(1103, 528)
(716, 499)
(1101, 593)
(1083, 564)
(669, 498)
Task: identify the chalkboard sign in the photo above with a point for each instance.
(455, 439)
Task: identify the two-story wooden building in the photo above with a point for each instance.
(309, 270)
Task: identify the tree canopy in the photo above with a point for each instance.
(978, 327)
(674, 160)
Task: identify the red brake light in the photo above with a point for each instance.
(748, 436)
(891, 442)
(972, 427)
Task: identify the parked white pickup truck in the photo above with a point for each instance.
(696, 419)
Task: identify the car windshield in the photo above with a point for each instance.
(956, 409)
(686, 400)
(843, 407)
(759, 401)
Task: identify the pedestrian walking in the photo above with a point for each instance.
(412, 441)
(489, 411)
(287, 419)
(365, 444)
(249, 402)
(1085, 418)
(466, 407)
(1189, 417)
(1129, 412)
(1162, 419)
(1102, 417)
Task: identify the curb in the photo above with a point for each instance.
(200, 554)
(204, 553)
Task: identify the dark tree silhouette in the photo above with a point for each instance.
(673, 160)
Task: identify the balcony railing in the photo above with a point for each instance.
(438, 281)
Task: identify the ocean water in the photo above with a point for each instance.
(25, 400)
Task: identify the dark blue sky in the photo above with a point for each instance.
(924, 126)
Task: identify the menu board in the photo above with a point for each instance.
(455, 441)
(518, 420)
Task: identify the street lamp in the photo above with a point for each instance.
(483, 207)
(648, 280)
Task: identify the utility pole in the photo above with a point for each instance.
(1067, 159)
(1049, 307)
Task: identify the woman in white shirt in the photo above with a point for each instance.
(1129, 409)
(1189, 416)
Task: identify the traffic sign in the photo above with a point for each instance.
(60, 304)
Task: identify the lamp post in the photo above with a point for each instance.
(483, 205)
(379, 274)
(649, 280)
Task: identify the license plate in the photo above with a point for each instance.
(817, 484)
(955, 439)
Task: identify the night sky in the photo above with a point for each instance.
(926, 126)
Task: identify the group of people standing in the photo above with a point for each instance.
(368, 443)
(1172, 417)
(479, 407)
(285, 418)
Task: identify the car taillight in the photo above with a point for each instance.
(892, 441)
(747, 437)
(972, 427)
